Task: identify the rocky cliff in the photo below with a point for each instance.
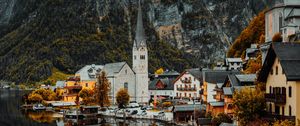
(37, 36)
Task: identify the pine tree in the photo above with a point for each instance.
(102, 90)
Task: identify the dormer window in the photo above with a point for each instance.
(276, 70)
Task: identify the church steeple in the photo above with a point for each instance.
(140, 39)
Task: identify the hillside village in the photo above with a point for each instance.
(210, 96)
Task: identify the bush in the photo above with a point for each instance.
(221, 117)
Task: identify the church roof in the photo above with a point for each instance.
(112, 68)
(140, 39)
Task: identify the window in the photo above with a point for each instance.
(126, 85)
(184, 94)
(190, 95)
(142, 57)
(290, 91)
(134, 56)
(270, 89)
(283, 90)
(271, 72)
(290, 111)
(177, 94)
(276, 70)
(86, 84)
(270, 107)
(125, 71)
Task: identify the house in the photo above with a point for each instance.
(88, 75)
(252, 52)
(232, 83)
(188, 84)
(184, 113)
(214, 79)
(234, 63)
(120, 75)
(162, 88)
(283, 17)
(281, 73)
(71, 89)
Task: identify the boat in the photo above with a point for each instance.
(38, 107)
(122, 114)
(73, 114)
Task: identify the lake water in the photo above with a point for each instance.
(12, 115)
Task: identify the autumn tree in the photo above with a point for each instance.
(122, 98)
(249, 105)
(86, 95)
(47, 94)
(35, 98)
(221, 117)
(253, 33)
(277, 37)
(159, 71)
(102, 90)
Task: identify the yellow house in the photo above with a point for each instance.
(84, 78)
(281, 72)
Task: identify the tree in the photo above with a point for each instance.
(46, 94)
(283, 123)
(102, 90)
(249, 105)
(122, 98)
(159, 71)
(221, 117)
(86, 95)
(35, 98)
(277, 37)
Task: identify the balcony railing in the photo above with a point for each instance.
(74, 87)
(186, 89)
(276, 98)
(273, 116)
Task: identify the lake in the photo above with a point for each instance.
(12, 115)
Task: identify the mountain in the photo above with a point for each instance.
(37, 37)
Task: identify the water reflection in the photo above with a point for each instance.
(12, 115)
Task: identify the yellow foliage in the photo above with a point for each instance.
(159, 71)
(122, 98)
(33, 97)
(283, 123)
(167, 104)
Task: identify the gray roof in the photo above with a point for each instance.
(196, 72)
(168, 82)
(140, 39)
(227, 90)
(60, 84)
(112, 68)
(246, 77)
(218, 76)
(227, 124)
(89, 72)
(170, 73)
(289, 58)
(216, 104)
(190, 107)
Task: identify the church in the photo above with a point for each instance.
(134, 79)
(120, 74)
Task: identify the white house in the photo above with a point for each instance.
(234, 63)
(188, 84)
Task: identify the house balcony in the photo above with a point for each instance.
(272, 116)
(276, 98)
(186, 89)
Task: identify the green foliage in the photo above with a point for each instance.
(122, 98)
(253, 33)
(249, 104)
(221, 117)
(66, 35)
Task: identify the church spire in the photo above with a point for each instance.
(140, 39)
